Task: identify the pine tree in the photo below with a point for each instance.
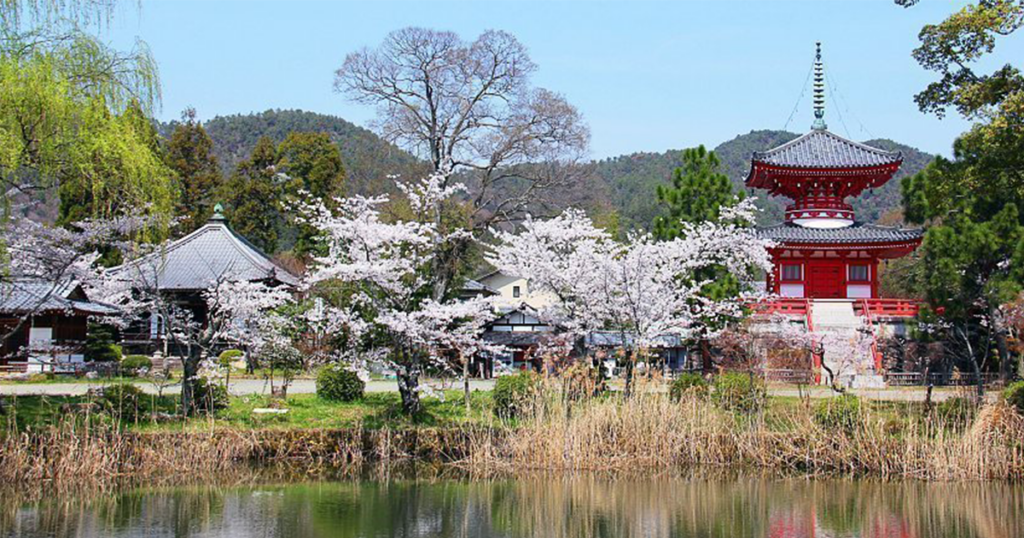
(698, 193)
(312, 164)
(253, 197)
(190, 155)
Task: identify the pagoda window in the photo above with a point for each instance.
(792, 272)
(859, 273)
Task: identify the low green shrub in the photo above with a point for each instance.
(955, 411)
(840, 413)
(134, 365)
(229, 356)
(687, 383)
(513, 393)
(740, 391)
(41, 377)
(124, 402)
(1014, 395)
(208, 397)
(338, 383)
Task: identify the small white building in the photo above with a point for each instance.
(513, 291)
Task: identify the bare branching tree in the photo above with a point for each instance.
(469, 109)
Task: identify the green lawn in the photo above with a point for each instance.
(304, 411)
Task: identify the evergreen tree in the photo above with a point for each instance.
(973, 253)
(312, 164)
(698, 193)
(190, 155)
(253, 197)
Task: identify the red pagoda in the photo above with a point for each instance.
(821, 251)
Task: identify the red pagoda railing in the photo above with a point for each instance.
(791, 306)
(887, 308)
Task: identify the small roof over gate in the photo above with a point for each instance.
(211, 253)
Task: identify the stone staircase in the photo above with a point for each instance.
(847, 343)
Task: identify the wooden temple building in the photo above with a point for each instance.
(186, 268)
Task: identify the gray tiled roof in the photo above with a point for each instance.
(823, 149)
(475, 286)
(614, 339)
(31, 296)
(515, 338)
(198, 260)
(856, 233)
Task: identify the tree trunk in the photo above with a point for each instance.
(999, 332)
(408, 387)
(190, 367)
(705, 355)
(630, 364)
(465, 380)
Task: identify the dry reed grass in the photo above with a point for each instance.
(649, 431)
(76, 455)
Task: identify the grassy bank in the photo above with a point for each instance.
(55, 443)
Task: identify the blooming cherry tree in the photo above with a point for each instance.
(641, 289)
(400, 291)
(56, 257)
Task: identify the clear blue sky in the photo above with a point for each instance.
(648, 76)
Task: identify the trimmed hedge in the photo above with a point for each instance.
(208, 397)
(687, 383)
(133, 365)
(740, 391)
(124, 402)
(337, 383)
(513, 393)
(229, 356)
(1014, 395)
(840, 413)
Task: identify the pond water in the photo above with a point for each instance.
(538, 507)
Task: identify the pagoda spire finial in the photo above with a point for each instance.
(819, 91)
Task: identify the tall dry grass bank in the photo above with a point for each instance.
(558, 431)
(73, 456)
(651, 431)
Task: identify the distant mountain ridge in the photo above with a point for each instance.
(629, 182)
(632, 180)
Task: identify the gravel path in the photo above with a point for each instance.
(238, 387)
(305, 386)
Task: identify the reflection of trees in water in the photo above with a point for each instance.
(567, 507)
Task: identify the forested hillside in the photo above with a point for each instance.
(629, 181)
(368, 159)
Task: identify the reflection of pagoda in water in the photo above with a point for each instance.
(797, 523)
(825, 261)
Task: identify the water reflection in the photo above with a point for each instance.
(541, 507)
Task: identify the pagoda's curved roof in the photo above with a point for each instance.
(823, 149)
(858, 233)
(210, 254)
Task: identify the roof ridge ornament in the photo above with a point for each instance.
(218, 212)
(819, 91)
